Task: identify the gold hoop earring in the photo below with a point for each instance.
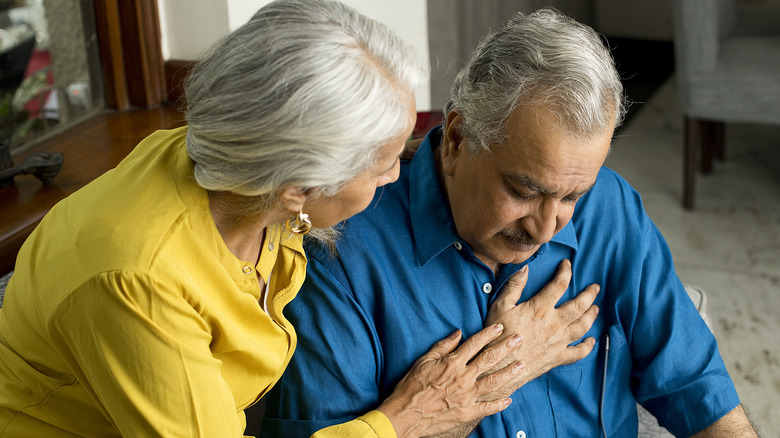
(300, 224)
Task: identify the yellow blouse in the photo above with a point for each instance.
(128, 316)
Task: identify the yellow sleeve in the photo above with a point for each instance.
(372, 424)
(142, 353)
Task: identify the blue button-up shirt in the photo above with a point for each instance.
(403, 280)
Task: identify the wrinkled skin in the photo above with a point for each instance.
(546, 330)
(448, 386)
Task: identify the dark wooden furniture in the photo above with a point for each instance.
(726, 61)
(90, 148)
(703, 140)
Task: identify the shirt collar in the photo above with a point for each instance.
(432, 224)
(276, 236)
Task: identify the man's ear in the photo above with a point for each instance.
(452, 146)
(293, 197)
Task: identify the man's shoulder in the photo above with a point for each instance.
(385, 217)
(611, 184)
(612, 195)
(368, 241)
(611, 210)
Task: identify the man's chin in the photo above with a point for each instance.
(517, 249)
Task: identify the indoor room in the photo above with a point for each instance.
(83, 82)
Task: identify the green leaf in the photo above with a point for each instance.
(30, 87)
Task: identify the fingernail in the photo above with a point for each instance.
(524, 269)
(454, 334)
(598, 288)
(516, 339)
(520, 366)
(498, 328)
(507, 402)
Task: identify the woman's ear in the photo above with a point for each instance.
(451, 143)
(293, 197)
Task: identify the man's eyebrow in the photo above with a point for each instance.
(524, 180)
(582, 192)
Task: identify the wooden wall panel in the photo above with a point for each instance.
(131, 52)
(110, 44)
(175, 72)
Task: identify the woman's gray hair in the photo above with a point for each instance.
(303, 94)
(543, 58)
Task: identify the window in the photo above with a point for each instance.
(49, 68)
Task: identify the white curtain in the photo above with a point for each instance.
(456, 26)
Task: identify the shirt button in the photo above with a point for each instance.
(271, 246)
(457, 246)
(520, 434)
(487, 288)
(247, 270)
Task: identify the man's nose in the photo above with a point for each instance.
(544, 222)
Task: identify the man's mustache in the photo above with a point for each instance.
(519, 237)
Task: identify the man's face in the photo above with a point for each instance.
(508, 201)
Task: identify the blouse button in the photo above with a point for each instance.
(457, 246)
(271, 246)
(247, 270)
(487, 288)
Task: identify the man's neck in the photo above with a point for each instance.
(492, 264)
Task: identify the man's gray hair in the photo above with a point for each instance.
(303, 94)
(543, 58)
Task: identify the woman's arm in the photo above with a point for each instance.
(447, 386)
(142, 353)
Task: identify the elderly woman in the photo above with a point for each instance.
(150, 303)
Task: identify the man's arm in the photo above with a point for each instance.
(735, 424)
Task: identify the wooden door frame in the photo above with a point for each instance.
(128, 33)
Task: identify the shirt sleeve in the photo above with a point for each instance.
(678, 372)
(373, 424)
(330, 387)
(143, 354)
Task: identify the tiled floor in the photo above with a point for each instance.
(729, 245)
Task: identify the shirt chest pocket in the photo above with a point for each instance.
(580, 393)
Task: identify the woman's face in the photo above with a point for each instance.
(354, 197)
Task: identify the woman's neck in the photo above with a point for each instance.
(243, 235)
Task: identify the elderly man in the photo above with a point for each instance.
(507, 196)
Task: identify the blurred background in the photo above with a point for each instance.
(49, 68)
(54, 45)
